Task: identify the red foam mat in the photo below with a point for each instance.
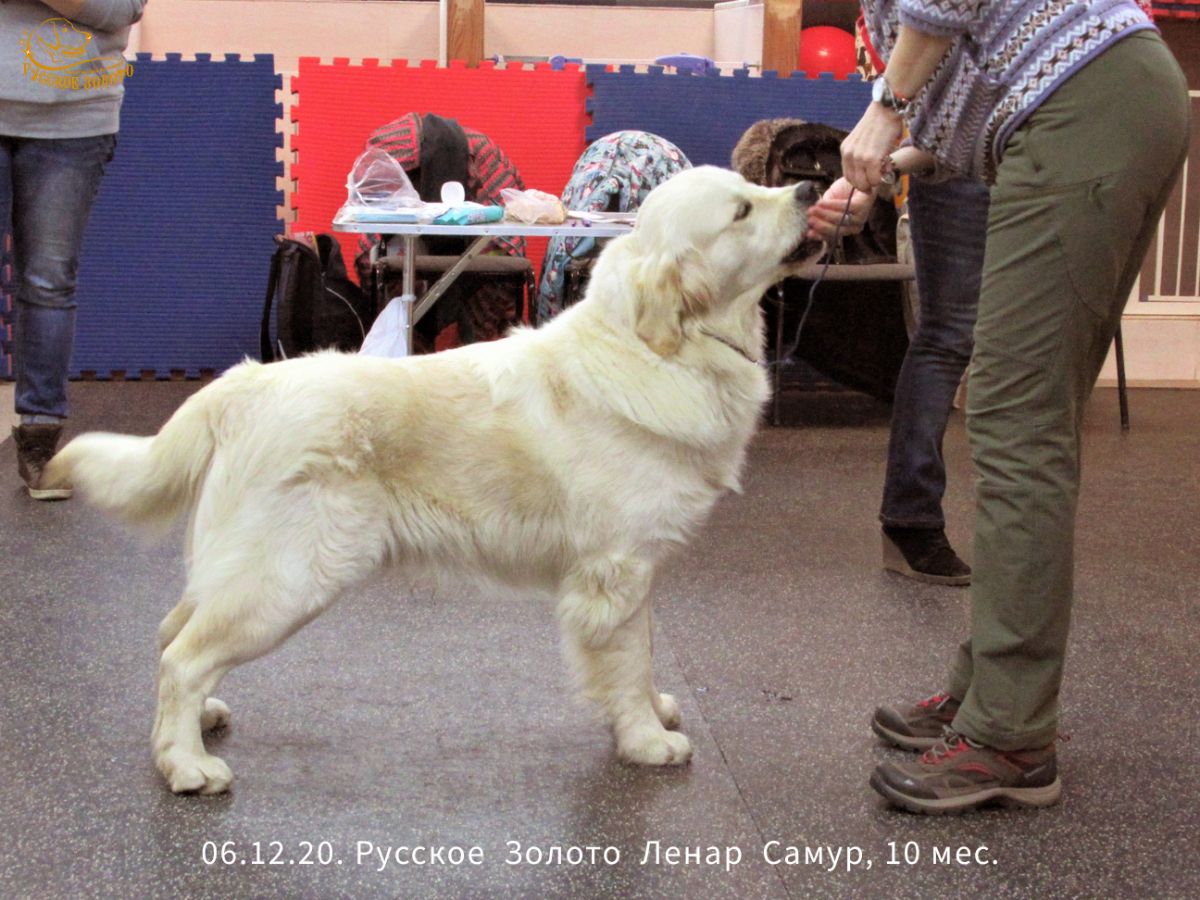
(536, 114)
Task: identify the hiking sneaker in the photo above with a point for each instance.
(35, 447)
(923, 554)
(957, 774)
(920, 726)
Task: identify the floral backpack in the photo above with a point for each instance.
(614, 174)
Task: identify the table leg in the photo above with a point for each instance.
(439, 287)
(408, 285)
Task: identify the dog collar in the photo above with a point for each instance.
(730, 344)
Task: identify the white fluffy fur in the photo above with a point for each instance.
(565, 459)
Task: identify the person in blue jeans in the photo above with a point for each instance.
(948, 221)
(61, 85)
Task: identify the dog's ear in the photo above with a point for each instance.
(669, 288)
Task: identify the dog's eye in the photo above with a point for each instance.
(743, 211)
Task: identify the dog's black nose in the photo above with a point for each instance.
(806, 193)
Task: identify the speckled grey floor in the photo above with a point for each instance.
(778, 632)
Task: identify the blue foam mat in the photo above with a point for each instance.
(177, 251)
(705, 115)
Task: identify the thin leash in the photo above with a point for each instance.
(784, 358)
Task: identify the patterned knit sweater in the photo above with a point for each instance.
(1007, 56)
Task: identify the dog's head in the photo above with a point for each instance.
(707, 245)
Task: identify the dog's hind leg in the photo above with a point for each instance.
(174, 621)
(244, 621)
(187, 672)
(255, 582)
(619, 675)
(216, 714)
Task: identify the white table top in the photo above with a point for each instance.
(570, 228)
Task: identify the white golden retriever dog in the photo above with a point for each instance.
(565, 459)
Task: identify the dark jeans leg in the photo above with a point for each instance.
(50, 185)
(949, 230)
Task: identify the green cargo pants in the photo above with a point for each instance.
(1077, 198)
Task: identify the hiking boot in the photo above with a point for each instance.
(957, 774)
(35, 447)
(923, 554)
(920, 726)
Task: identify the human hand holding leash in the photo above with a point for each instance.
(866, 152)
(870, 156)
(842, 210)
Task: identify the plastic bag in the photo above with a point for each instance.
(376, 181)
(533, 207)
(389, 332)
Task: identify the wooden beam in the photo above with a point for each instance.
(781, 36)
(464, 31)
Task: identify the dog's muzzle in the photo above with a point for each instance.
(805, 194)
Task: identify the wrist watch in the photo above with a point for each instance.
(882, 93)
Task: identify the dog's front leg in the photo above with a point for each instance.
(600, 595)
(620, 676)
(615, 668)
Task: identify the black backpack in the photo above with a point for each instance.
(316, 305)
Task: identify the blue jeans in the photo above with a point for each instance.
(47, 187)
(949, 230)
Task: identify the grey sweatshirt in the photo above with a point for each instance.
(63, 78)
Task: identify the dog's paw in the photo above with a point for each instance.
(667, 710)
(655, 748)
(195, 774)
(216, 715)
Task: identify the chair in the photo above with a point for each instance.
(514, 270)
(1122, 389)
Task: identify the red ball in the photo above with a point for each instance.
(824, 48)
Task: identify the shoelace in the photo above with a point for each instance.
(933, 702)
(951, 744)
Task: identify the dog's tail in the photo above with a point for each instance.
(145, 481)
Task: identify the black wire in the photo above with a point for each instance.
(784, 358)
